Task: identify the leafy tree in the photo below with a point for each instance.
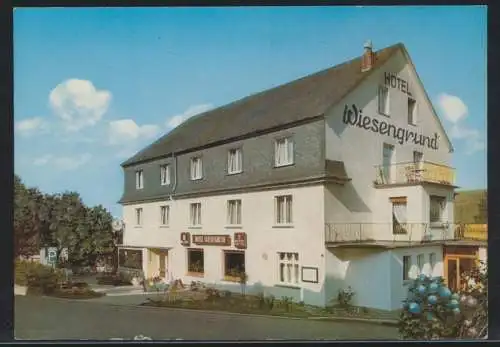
(27, 219)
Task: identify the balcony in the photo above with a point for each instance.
(388, 233)
(413, 173)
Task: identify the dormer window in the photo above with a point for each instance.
(196, 168)
(139, 180)
(283, 152)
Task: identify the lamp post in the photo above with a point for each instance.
(117, 227)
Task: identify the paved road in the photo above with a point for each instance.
(50, 318)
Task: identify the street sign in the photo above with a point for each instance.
(52, 255)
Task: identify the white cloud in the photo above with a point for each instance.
(191, 111)
(31, 126)
(63, 163)
(456, 111)
(42, 160)
(78, 103)
(126, 130)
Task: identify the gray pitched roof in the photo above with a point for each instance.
(296, 101)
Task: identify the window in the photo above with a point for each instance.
(418, 158)
(195, 214)
(387, 167)
(196, 261)
(412, 111)
(139, 181)
(164, 215)
(283, 209)
(165, 175)
(437, 204)
(432, 262)
(234, 212)
(234, 265)
(288, 268)
(196, 168)
(399, 216)
(283, 152)
(138, 216)
(234, 162)
(406, 267)
(383, 100)
(420, 263)
(130, 258)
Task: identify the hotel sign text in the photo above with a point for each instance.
(354, 116)
(214, 240)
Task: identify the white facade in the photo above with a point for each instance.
(375, 274)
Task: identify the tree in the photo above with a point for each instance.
(27, 219)
(482, 216)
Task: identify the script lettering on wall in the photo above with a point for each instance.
(354, 116)
(394, 81)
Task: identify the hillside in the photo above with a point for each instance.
(471, 206)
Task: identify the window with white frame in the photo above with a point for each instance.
(165, 174)
(196, 168)
(288, 267)
(406, 267)
(195, 213)
(283, 151)
(432, 262)
(420, 263)
(383, 100)
(399, 215)
(139, 180)
(412, 111)
(234, 212)
(283, 209)
(234, 161)
(138, 216)
(437, 206)
(164, 215)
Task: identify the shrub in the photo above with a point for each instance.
(114, 279)
(77, 293)
(431, 311)
(35, 275)
(345, 297)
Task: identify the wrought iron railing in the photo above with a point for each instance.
(412, 232)
(410, 172)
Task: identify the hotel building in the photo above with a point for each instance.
(339, 179)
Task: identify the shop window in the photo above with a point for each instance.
(196, 262)
(420, 263)
(234, 265)
(288, 268)
(432, 262)
(130, 258)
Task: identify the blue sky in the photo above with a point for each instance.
(91, 86)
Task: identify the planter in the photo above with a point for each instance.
(20, 290)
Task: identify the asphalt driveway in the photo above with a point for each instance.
(43, 318)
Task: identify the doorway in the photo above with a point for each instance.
(456, 267)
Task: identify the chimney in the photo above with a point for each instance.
(368, 58)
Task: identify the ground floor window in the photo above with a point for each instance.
(234, 265)
(130, 258)
(420, 263)
(406, 267)
(432, 262)
(288, 267)
(196, 261)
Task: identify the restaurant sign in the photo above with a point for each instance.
(240, 240)
(185, 239)
(212, 240)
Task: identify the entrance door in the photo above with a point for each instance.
(163, 265)
(388, 154)
(453, 273)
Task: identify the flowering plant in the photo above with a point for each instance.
(345, 296)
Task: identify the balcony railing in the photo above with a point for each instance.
(411, 173)
(400, 232)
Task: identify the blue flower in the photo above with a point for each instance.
(455, 296)
(421, 289)
(453, 304)
(444, 292)
(414, 308)
(422, 277)
(432, 299)
(433, 287)
(456, 310)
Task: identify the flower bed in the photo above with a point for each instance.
(200, 298)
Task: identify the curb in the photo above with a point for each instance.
(360, 320)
